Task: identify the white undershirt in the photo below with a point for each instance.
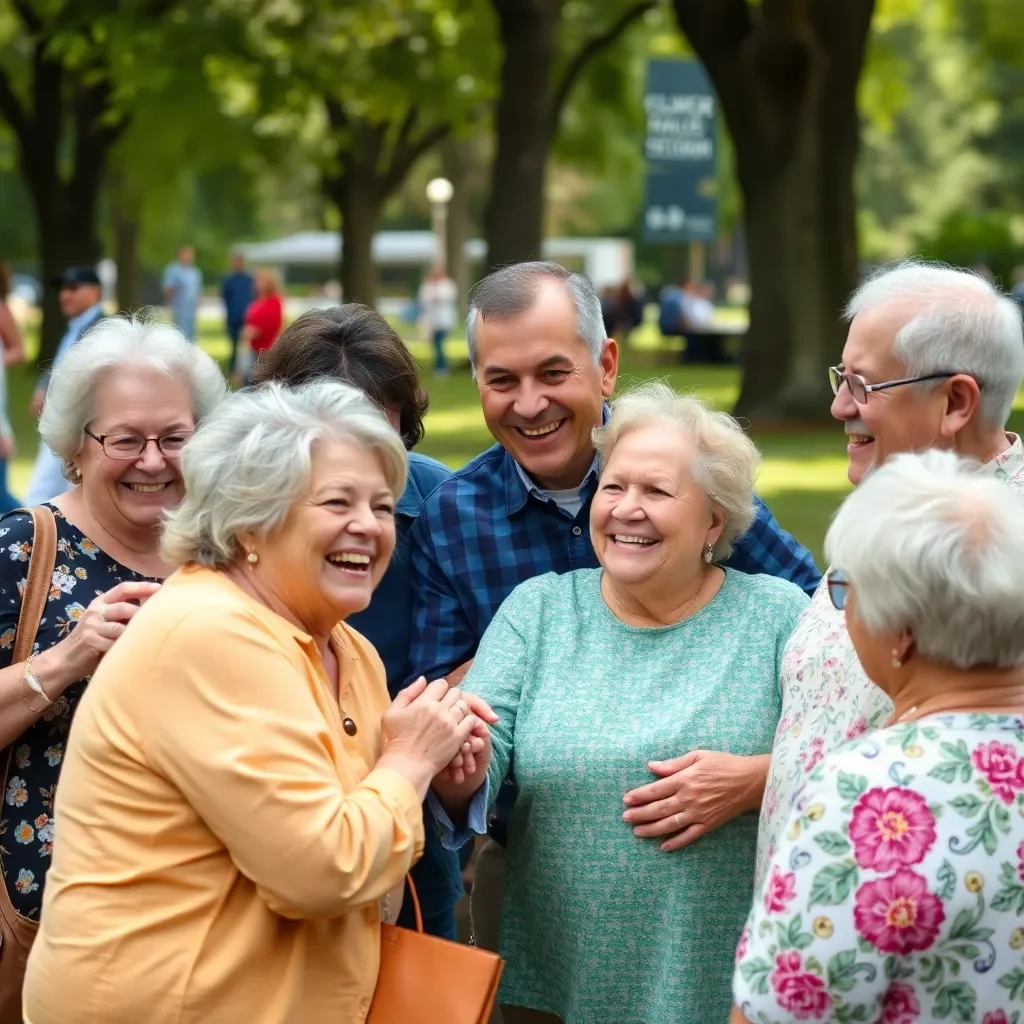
(569, 500)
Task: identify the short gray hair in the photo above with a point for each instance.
(957, 321)
(251, 461)
(512, 290)
(932, 545)
(113, 344)
(726, 462)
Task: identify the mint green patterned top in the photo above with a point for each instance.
(598, 926)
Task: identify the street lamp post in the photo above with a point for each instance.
(439, 195)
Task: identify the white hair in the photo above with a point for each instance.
(512, 290)
(957, 321)
(115, 344)
(251, 461)
(726, 461)
(932, 545)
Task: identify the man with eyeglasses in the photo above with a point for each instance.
(933, 359)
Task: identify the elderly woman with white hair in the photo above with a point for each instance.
(624, 896)
(897, 892)
(240, 805)
(120, 407)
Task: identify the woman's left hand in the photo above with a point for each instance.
(695, 794)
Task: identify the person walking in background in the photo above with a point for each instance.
(439, 296)
(80, 295)
(356, 345)
(183, 285)
(13, 354)
(263, 322)
(237, 290)
(896, 889)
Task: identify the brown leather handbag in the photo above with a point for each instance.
(430, 980)
(17, 933)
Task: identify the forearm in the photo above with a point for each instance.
(455, 797)
(17, 700)
(418, 772)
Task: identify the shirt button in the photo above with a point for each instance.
(576, 531)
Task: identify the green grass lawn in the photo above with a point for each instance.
(803, 475)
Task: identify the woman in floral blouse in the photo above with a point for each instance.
(120, 405)
(897, 893)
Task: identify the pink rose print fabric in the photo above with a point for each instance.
(828, 701)
(896, 891)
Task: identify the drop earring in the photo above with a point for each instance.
(896, 661)
(709, 554)
(252, 558)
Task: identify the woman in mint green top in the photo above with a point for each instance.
(636, 707)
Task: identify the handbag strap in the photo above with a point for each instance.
(415, 903)
(40, 576)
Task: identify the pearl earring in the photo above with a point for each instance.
(709, 554)
(252, 558)
(896, 662)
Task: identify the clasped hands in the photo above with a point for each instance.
(694, 795)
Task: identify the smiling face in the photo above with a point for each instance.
(650, 521)
(541, 390)
(142, 402)
(900, 419)
(332, 550)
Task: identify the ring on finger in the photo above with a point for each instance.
(463, 707)
(103, 611)
(675, 818)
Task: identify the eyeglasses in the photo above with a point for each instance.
(860, 388)
(131, 446)
(838, 588)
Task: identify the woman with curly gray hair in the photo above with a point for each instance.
(121, 405)
(241, 804)
(636, 707)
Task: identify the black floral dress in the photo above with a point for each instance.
(81, 573)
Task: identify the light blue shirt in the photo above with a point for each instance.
(187, 283)
(77, 326)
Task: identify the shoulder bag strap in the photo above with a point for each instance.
(37, 586)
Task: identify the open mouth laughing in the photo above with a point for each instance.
(543, 431)
(352, 563)
(633, 542)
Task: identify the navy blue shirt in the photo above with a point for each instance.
(237, 290)
(387, 624)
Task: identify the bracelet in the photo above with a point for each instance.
(31, 680)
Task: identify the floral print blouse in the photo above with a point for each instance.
(81, 573)
(827, 700)
(897, 892)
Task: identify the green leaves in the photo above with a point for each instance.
(834, 843)
(958, 762)
(1013, 982)
(966, 804)
(851, 787)
(756, 972)
(947, 880)
(956, 1001)
(1010, 897)
(792, 935)
(833, 884)
(843, 970)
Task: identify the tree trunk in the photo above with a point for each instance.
(457, 160)
(125, 229)
(787, 85)
(359, 203)
(514, 217)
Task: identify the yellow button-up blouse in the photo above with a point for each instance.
(220, 842)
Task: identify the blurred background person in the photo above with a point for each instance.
(13, 353)
(624, 895)
(439, 296)
(183, 287)
(902, 864)
(237, 291)
(80, 301)
(627, 310)
(263, 321)
(242, 804)
(120, 406)
(354, 344)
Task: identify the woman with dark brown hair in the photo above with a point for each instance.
(354, 344)
(13, 353)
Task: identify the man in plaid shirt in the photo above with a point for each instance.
(545, 368)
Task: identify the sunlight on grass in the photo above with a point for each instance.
(814, 474)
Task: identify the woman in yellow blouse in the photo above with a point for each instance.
(239, 802)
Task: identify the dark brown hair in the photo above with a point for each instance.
(356, 345)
